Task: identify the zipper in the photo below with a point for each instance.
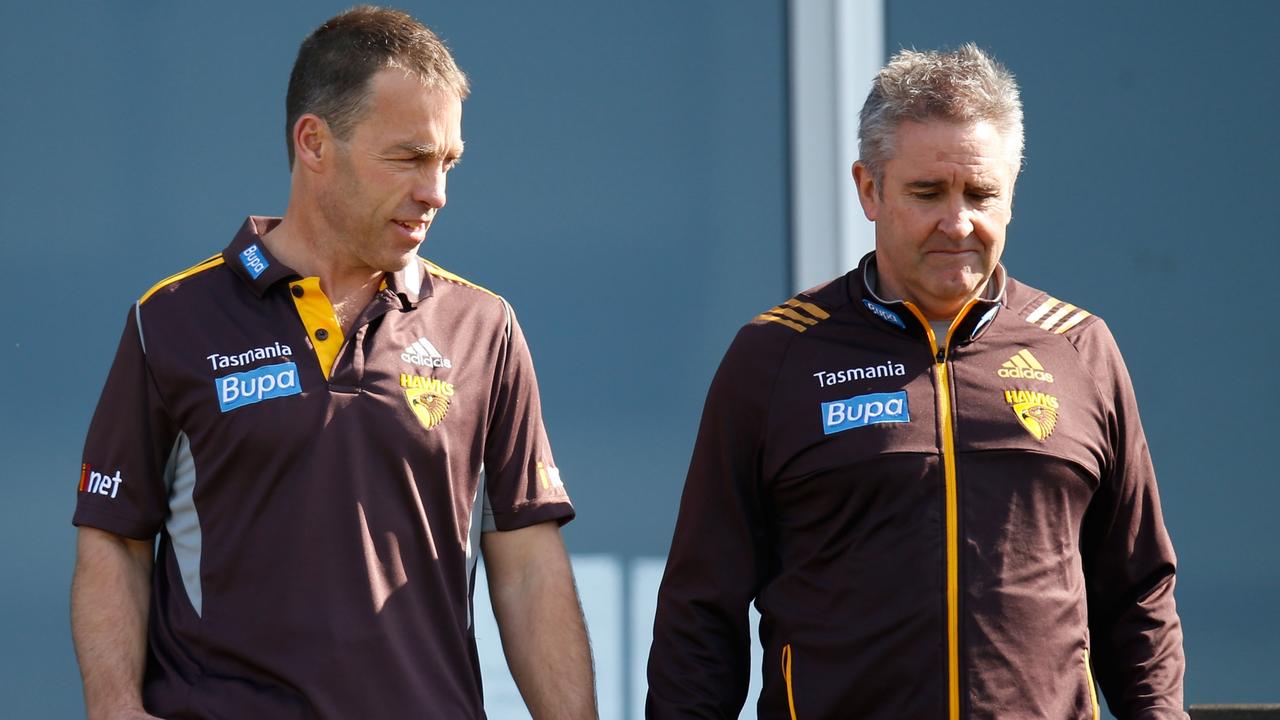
(786, 675)
(1093, 690)
(951, 500)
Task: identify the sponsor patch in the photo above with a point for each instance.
(96, 483)
(1024, 366)
(253, 261)
(428, 398)
(1037, 412)
(884, 313)
(835, 377)
(549, 476)
(253, 386)
(863, 410)
(221, 362)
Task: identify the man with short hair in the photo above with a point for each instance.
(323, 429)
(929, 477)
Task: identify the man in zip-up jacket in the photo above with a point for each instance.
(930, 478)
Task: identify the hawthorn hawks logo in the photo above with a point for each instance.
(1036, 411)
(428, 398)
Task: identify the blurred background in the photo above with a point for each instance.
(640, 180)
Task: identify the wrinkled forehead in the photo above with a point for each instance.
(977, 149)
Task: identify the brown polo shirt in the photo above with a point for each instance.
(318, 497)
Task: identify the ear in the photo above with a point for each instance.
(312, 141)
(868, 193)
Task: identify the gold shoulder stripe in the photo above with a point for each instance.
(443, 274)
(1057, 315)
(787, 312)
(795, 314)
(200, 267)
(1072, 321)
(782, 321)
(810, 308)
(1040, 311)
(1053, 311)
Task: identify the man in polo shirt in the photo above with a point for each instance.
(323, 430)
(930, 478)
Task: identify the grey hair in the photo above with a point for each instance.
(964, 85)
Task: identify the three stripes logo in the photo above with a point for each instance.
(424, 354)
(1024, 366)
(1056, 316)
(797, 315)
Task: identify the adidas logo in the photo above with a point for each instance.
(1024, 366)
(423, 353)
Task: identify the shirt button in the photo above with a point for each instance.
(322, 334)
(296, 290)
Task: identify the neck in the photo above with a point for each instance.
(309, 247)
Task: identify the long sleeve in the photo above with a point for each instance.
(1129, 560)
(699, 662)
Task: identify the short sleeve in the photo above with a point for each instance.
(522, 481)
(121, 487)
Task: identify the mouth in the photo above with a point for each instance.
(416, 229)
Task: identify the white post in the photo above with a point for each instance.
(836, 48)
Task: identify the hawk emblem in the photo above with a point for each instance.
(1038, 419)
(429, 407)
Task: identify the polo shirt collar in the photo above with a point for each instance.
(248, 257)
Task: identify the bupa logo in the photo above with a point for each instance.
(92, 481)
(253, 261)
(252, 386)
(863, 410)
(884, 313)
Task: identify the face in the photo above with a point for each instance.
(382, 187)
(941, 213)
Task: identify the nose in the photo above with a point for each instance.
(429, 189)
(957, 221)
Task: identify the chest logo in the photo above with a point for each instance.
(1024, 366)
(1036, 411)
(254, 386)
(428, 398)
(864, 410)
(424, 354)
(833, 377)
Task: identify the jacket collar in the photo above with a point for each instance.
(903, 316)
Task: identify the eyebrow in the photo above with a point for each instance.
(939, 184)
(429, 150)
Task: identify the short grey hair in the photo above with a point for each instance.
(964, 85)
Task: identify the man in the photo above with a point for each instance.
(318, 425)
(930, 478)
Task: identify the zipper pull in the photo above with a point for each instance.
(942, 355)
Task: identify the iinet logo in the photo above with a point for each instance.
(92, 481)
